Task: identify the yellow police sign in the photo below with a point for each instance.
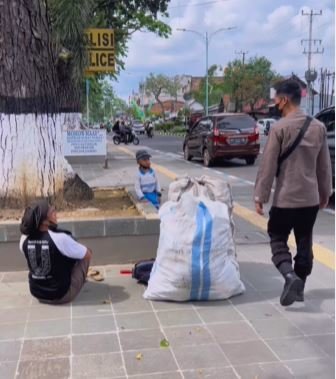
(100, 45)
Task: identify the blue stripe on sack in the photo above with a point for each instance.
(206, 254)
(196, 256)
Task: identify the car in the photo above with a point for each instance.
(265, 123)
(223, 136)
(138, 127)
(327, 116)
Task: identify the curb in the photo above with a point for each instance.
(171, 134)
(147, 223)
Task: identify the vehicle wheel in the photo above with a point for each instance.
(250, 161)
(187, 156)
(116, 140)
(207, 161)
(136, 141)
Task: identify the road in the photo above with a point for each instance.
(167, 152)
(236, 167)
(174, 145)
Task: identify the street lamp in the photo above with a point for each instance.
(206, 37)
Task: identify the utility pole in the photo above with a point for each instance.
(310, 74)
(243, 53)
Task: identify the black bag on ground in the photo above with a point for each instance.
(142, 269)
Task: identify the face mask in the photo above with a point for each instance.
(276, 111)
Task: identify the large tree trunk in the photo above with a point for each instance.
(33, 108)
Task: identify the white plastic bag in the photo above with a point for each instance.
(196, 253)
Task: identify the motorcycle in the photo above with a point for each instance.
(150, 132)
(132, 138)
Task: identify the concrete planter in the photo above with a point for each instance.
(112, 240)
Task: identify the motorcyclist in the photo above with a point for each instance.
(149, 128)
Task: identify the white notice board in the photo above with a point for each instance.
(84, 142)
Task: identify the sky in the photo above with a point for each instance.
(270, 28)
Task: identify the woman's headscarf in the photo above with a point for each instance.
(33, 216)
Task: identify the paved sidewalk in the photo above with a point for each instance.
(110, 331)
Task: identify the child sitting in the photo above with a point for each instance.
(146, 184)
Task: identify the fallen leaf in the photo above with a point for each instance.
(164, 343)
(139, 356)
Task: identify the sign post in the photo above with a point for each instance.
(87, 102)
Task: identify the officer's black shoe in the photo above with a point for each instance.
(300, 294)
(293, 286)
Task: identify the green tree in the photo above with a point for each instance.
(249, 83)
(41, 80)
(155, 85)
(217, 88)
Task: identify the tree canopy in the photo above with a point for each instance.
(69, 19)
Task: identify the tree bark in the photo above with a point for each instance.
(33, 106)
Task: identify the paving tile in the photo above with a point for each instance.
(248, 297)
(94, 292)
(86, 310)
(46, 348)
(132, 304)
(188, 335)
(275, 328)
(18, 276)
(93, 324)
(210, 373)
(7, 370)
(95, 344)
(204, 356)
(167, 375)
(271, 296)
(14, 315)
(137, 340)
(259, 311)
(271, 282)
(131, 321)
(179, 317)
(58, 368)
(326, 342)
(15, 288)
(9, 350)
(264, 371)
(295, 348)
(313, 324)
(50, 328)
(49, 312)
(97, 366)
(152, 361)
(11, 331)
(248, 352)
(17, 301)
(114, 270)
(324, 305)
(219, 314)
(232, 331)
(313, 368)
(170, 305)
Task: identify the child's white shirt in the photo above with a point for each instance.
(146, 182)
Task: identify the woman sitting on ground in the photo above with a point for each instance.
(57, 263)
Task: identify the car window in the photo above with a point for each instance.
(235, 122)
